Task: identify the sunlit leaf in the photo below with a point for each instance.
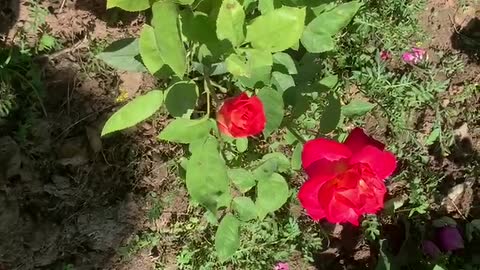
(272, 193)
(273, 105)
(230, 22)
(134, 112)
(123, 54)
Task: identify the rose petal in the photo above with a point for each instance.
(357, 139)
(340, 211)
(449, 238)
(383, 163)
(321, 148)
(308, 197)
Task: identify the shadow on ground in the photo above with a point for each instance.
(467, 40)
(67, 197)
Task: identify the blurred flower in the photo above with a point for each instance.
(281, 266)
(385, 55)
(415, 56)
(449, 238)
(430, 249)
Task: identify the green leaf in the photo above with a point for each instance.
(273, 105)
(237, 65)
(317, 42)
(134, 112)
(149, 50)
(242, 179)
(285, 60)
(122, 55)
(259, 65)
(227, 238)
(317, 37)
(266, 6)
(206, 175)
(270, 163)
(282, 81)
(245, 208)
(241, 144)
(331, 115)
(129, 5)
(277, 30)
(272, 194)
(438, 267)
(185, 2)
(169, 43)
(433, 137)
(181, 98)
(230, 20)
(183, 130)
(333, 21)
(357, 108)
(297, 157)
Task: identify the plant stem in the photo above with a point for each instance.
(296, 134)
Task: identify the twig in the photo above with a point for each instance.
(61, 6)
(79, 44)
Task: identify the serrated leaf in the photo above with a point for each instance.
(317, 37)
(331, 115)
(230, 20)
(259, 64)
(181, 98)
(357, 108)
(183, 130)
(169, 43)
(333, 21)
(134, 112)
(317, 42)
(149, 50)
(237, 65)
(265, 6)
(297, 157)
(123, 55)
(206, 178)
(227, 237)
(273, 105)
(241, 144)
(282, 81)
(245, 208)
(285, 60)
(272, 194)
(271, 163)
(129, 5)
(264, 32)
(242, 179)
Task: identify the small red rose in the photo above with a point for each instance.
(241, 116)
(345, 180)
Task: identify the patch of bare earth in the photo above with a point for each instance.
(67, 196)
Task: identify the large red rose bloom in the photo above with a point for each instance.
(241, 116)
(345, 180)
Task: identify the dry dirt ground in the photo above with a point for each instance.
(68, 197)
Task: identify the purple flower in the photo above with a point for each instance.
(429, 248)
(415, 56)
(449, 239)
(281, 266)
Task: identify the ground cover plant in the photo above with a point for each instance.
(255, 134)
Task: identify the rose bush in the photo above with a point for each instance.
(345, 180)
(241, 116)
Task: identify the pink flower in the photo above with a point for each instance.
(385, 55)
(415, 56)
(281, 266)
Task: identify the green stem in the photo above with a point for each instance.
(296, 134)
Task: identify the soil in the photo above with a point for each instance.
(69, 197)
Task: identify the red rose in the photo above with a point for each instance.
(241, 116)
(345, 180)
